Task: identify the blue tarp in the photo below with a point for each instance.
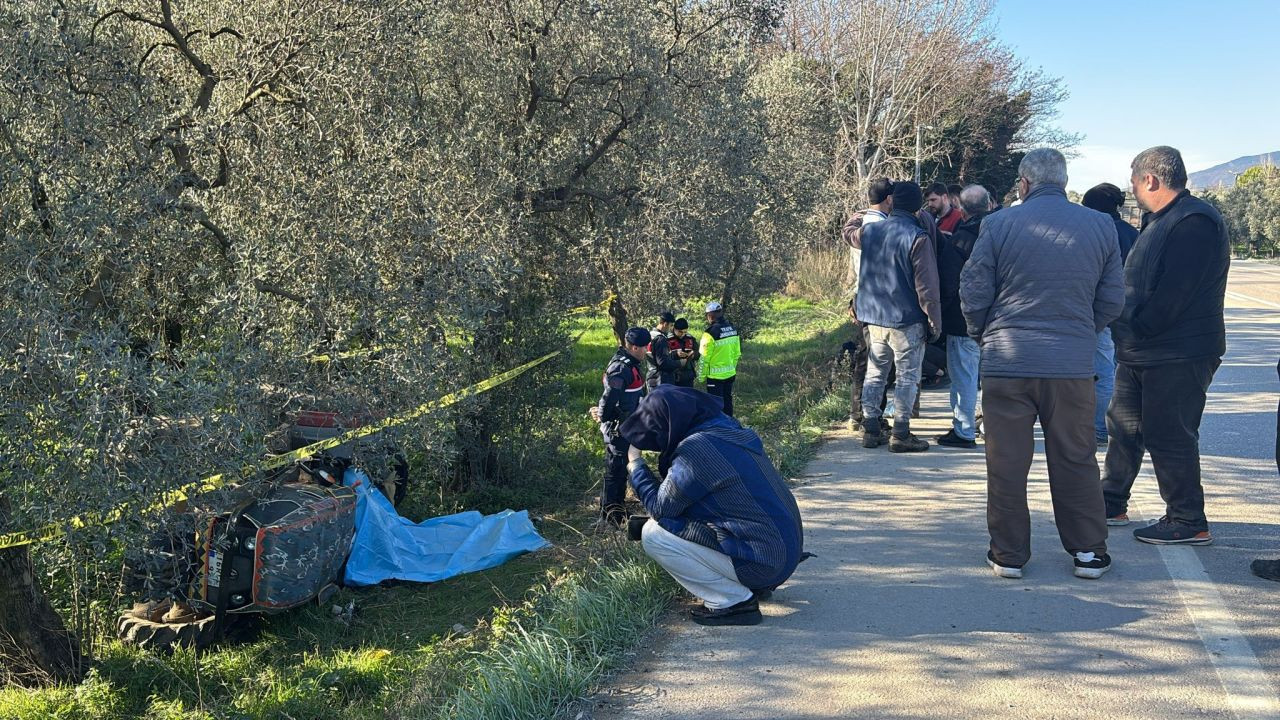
(389, 547)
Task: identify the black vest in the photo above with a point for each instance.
(1200, 332)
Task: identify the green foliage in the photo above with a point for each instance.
(548, 654)
(1252, 211)
(399, 650)
(197, 197)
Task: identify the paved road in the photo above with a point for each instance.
(899, 617)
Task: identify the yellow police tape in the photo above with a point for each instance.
(56, 530)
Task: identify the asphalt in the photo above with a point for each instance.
(898, 616)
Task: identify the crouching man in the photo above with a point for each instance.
(722, 521)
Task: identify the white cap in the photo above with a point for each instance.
(714, 306)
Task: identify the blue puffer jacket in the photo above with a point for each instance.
(1043, 280)
(722, 492)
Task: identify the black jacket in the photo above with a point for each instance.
(1174, 283)
(623, 388)
(662, 363)
(1126, 234)
(953, 253)
(688, 372)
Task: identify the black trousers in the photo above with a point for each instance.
(723, 389)
(613, 493)
(1157, 410)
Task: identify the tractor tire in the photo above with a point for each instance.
(164, 637)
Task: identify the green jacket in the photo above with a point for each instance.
(719, 349)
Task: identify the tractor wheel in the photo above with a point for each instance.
(162, 636)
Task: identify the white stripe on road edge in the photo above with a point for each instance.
(1250, 298)
(1249, 691)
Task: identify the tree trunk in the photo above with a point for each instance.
(618, 317)
(35, 645)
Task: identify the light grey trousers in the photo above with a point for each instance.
(902, 349)
(704, 572)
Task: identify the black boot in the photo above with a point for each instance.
(1266, 569)
(872, 435)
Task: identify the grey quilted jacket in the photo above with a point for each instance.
(1044, 278)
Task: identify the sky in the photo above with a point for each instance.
(1200, 76)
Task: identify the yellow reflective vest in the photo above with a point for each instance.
(720, 348)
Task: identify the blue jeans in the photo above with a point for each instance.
(903, 349)
(963, 355)
(1104, 369)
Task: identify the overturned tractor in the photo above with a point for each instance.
(280, 546)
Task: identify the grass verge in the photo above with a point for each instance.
(524, 639)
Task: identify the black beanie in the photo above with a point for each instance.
(638, 336)
(1105, 198)
(907, 196)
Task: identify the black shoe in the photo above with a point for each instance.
(746, 612)
(951, 439)
(872, 433)
(910, 443)
(1172, 532)
(1091, 566)
(1266, 569)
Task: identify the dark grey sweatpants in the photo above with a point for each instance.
(1010, 407)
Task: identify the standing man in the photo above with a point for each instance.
(898, 301)
(623, 389)
(1043, 279)
(685, 350)
(963, 352)
(880, 195)
(953, 194)
(662, 364)
(720, 349)
(939, 204)
(1107, 198)
(1169, 343)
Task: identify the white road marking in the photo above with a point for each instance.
(1250, 298)
(1250, 695)
(1249, 691)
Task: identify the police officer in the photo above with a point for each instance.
(623, 388)
(685, 350)
(662, 364)
(720, 349)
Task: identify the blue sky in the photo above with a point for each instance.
(1200, 76)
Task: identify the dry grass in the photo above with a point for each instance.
(819, 274)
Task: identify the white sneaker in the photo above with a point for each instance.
(1004, 571)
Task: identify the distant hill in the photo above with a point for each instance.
(1225, 174)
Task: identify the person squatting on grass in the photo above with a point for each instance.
(1043, 280)
(722, 521)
